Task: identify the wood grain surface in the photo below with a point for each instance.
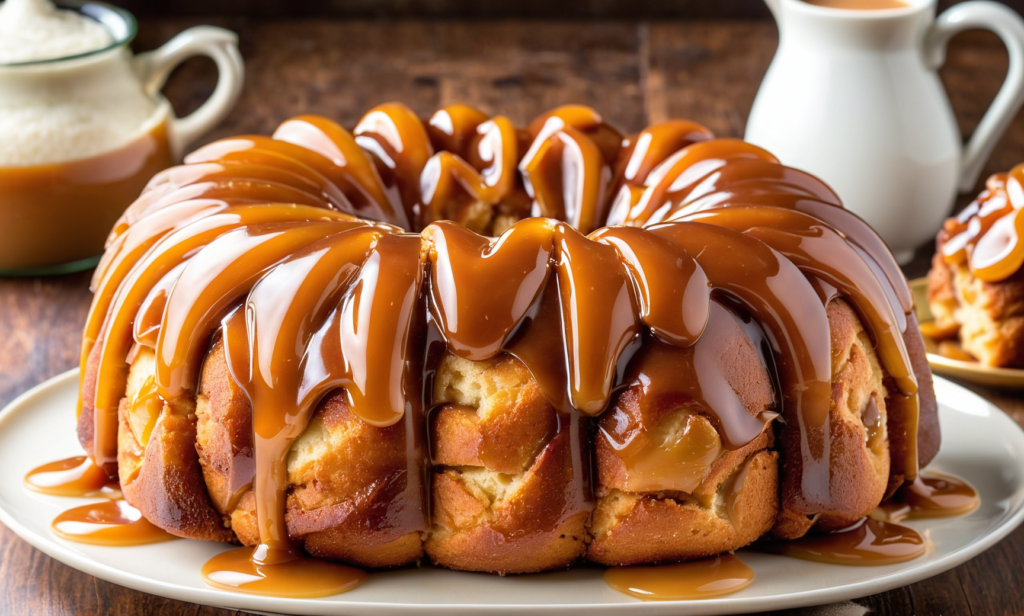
(632, 72)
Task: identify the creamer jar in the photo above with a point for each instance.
(83, 126)
(853, 97)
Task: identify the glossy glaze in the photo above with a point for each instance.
(870, 542)
(112, 522)
(328, 290)
(691, 580)
(238, 570)
(985, 236)
(77, 477)
(935, 495)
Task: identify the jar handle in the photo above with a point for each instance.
(1006, 23)
(222, 47)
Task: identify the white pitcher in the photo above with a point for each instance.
(853, 97)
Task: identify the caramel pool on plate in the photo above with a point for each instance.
(695, 579)
(107, 523)
(75, 476)
(300, 577)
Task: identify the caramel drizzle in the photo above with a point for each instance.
(986, 234)
(869, 542)
(314, 295)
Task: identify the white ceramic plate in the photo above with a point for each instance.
(980, 443)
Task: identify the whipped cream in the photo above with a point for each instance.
(32, 30)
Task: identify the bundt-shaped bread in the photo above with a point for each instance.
(293, 344)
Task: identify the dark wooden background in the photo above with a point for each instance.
(468, 9)
(635, 72)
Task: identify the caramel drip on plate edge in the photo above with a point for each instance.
(866, 543)
(935, 495)
(76, 476)
(294, 249)
(109, 522)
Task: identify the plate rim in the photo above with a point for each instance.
(1006, 524)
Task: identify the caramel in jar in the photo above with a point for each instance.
(59, 214)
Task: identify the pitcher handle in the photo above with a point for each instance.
(222, 47)
(1006, 23)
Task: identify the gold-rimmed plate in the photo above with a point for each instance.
(970, 371)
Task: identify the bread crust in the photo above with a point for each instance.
(681, 508)
(859, 464)
(506, 489)
(630, 528)
(86, 427)
(351, 498)
(505, 479)
(162, 478)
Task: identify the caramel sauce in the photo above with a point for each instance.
(986, 234)
(860, 5)
(666, 377)
(951, 349)
(691, 580)
(76, 476)
(930, 496)
(931, 329)
(55, 214)
(238, 570)
(107, 523)
(870, 542)
(298, 250)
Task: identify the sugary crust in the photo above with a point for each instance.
(859, 459)
(523, 531)
(652, 525)
(941, 293)
(223, 432)
(496, 415)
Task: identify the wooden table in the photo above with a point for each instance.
(634, 73)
